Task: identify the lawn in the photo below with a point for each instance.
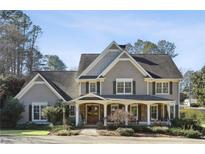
(24, 132)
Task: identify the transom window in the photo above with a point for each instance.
(134, 111)
(37, 111)
(154, 112)
(92, 87)
(124, 86)
(72, 110)
(162, 87)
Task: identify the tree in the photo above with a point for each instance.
(54, 63)
(186, 84)
(119, 117)
(10, 114)
(198, 80)
(147, 47)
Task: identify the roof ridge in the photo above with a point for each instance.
(56, 71)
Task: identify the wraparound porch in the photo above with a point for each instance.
(92, 111)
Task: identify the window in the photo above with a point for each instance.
(92, 87)
(134, 110)
(172, 112)
(114, 107)
(124, 86)
(162, 87)
(37, 110)
(72, 110)
(154, 112)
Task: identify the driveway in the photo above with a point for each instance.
(82, 139)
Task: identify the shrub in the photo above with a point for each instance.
(100, 125)
(63, 133)
(74, 132)
(57, 128)
(108, 133)
(185, 123)
(160, 130)
(182, 132)
(10, 113)
(34, 126)
(141, 128)
(193, 114)
(125, 131)
(195, 104)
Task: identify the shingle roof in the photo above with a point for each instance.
(62, 81)
(157, 65)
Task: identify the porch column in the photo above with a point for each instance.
(148, 114)
(168, 110)
(126, 110)
(105, 114)
(76, 114)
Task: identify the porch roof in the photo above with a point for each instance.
(136, 97)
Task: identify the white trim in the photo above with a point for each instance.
(32, 83)
(136, 64)
(161, 80)
(95, 87)
(147, 88)
(162, 86)
(79, 88)
(153, 105)
(124, 80)
(106, 50)
(87, 95)
(86, 111)
(38, 104)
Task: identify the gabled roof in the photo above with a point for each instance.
(157, 65)
(62, 81)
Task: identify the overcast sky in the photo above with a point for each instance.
(70, 33)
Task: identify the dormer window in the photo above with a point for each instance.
(124, 86)
(162, 87)
(93, 88)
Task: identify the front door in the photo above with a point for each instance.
(92, 114)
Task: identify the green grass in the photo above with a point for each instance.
(23, 132)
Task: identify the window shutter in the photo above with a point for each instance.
(139, 112)
(159, 112)
(153, 88)
(114, 87)
(98, 88)
(30, 112)
(87, 87)
(170, 87)
(134, 87)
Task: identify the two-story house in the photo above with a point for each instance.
(144, 85)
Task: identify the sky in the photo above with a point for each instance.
(68, 34)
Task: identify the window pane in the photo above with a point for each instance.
(36, 112)
(92, 88)
(165, 87)
(120, 87)
(134, 110)
(72, 110)
(159, 87)
(153, 112)
(128, 87)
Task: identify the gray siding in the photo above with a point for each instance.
(103, 63)
(83, 88)
(38, 93)
(124, 69)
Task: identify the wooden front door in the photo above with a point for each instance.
(93, 114)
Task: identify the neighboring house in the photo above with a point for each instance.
(145, 85)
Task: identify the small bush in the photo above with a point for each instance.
(63, 133)
(182, 132)
(141, 128)
(185, 123)
(108, 133)
(160, 130)
(125, 131)
(74, 132)
(34, 126)
(195, 104)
